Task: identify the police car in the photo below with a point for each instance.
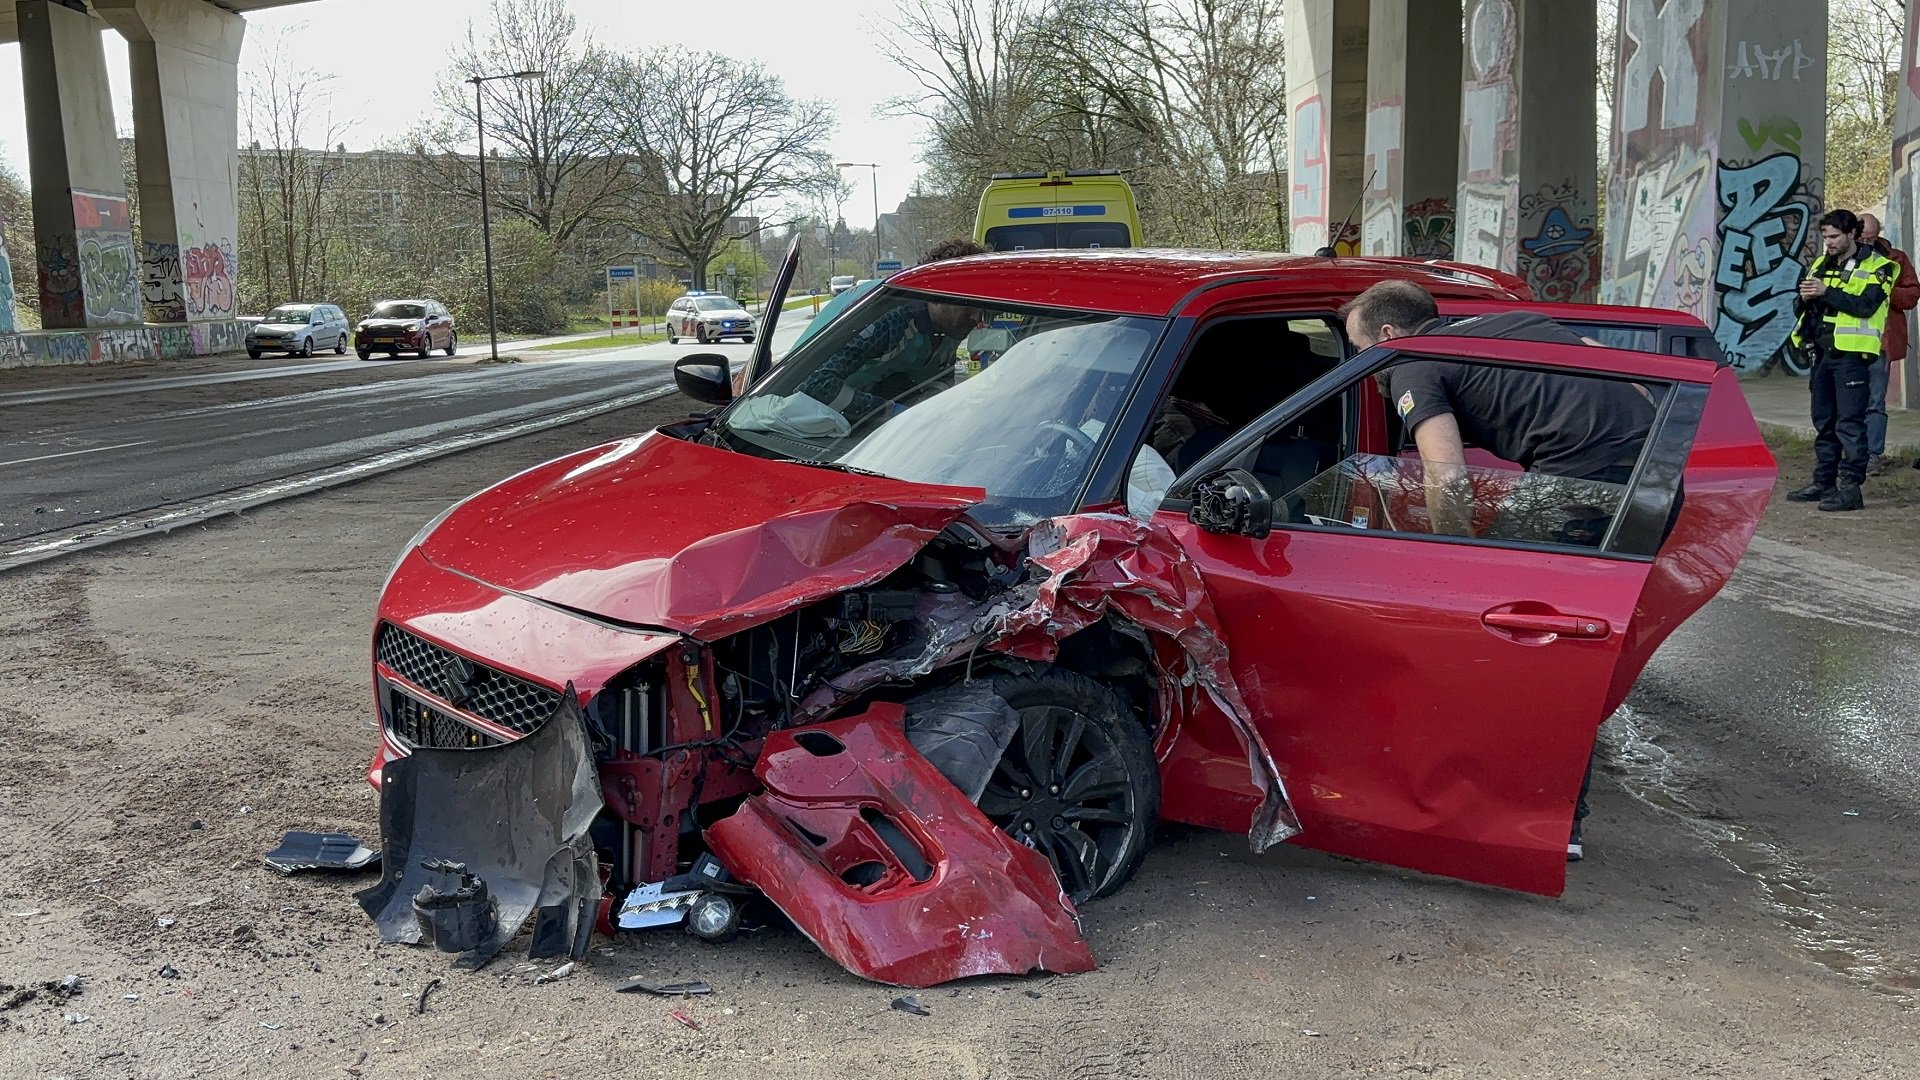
(707, 317)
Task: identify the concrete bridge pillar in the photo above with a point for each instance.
(1528, 187)
(1903, 195)
(1326, 54)
(87, 269)
(183, 55)
(1719, 150)
(1412, 159)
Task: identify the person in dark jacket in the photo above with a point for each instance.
(1893, 345)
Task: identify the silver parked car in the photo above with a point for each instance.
(300, 330)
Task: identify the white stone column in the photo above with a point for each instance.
(1412, 164)
(1326, 52)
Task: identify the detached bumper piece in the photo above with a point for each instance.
(890, 868)
(320, 851)
(478, 841)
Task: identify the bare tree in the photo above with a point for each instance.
(709, 135)
(1864, 40)
(288, 175)
(549, 140)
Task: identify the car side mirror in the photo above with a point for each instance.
(1233, 502)
(704, 377)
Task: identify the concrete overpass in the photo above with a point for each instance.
(176, 294)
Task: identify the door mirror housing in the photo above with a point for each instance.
(704, 377)
(1233, 502)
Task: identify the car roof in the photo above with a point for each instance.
(1153, 282)
(1619, 314)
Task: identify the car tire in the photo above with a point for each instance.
(748, 339)
(363, 354)
(1096, 840)
(672, 338)
(453, 342)
(306, 347)
(340, 344)
(426, 347)
(700, 334)
(253, 354)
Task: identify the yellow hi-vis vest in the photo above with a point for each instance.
(1850, 332)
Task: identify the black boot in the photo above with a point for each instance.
(1846, 496)
(1814, 492)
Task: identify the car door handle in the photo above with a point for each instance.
(1547, 622)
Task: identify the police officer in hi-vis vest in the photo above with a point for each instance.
(1841, 312)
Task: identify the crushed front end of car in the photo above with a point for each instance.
(923, 741)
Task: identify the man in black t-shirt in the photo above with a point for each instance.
(1587, 429)
(1590, 429)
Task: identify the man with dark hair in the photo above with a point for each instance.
(1591, 429)
(1842, 317)
(1893, 346)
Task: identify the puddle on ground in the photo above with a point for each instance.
(1832, 932)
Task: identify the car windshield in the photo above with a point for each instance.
(1012, 399)
(715, 303)
(289, 313)
(396, 310)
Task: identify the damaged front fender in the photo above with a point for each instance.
(889, 867)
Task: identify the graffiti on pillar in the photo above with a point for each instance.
(1781, 131)
(119, 344)
(1754, 61)
(1664, 209)
(1766, 217)
(160, 282)
(1487, 214)
(6, 285)
(109, 273)
(1560, 256)
(1311, 174)
(208, 271)
(61, 303)
(1380, 225)
(1661, 42)
(1429, 230)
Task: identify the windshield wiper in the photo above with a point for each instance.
(838, 467)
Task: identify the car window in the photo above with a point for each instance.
(1017, 401)
(716, 303)
(1560, 484)
(285, 313)
(1235, 370)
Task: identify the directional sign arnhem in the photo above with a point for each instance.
(622, 273)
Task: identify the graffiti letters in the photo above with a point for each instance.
(1310, 174)
(1783, 130)
(107, 275)
(1660, 44)
(1381, 223)
(119, 344)
(1754, 62)
(1482, 225)
(59, 269)
(1765, 216)
(160, 282)
(208, 271)
(1429, 230)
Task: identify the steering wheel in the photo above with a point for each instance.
(1072, 433)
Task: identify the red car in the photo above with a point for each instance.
(397, 326)
(920, 636)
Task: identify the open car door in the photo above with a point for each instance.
(761, 361)
(1432, 700)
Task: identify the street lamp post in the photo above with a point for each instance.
(873, 171)
(486, 224)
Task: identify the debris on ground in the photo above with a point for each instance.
(911, 1004)
(78, 1018)
(168, 971)
(320, 851)
(164, 921)
(690, 988)
(420, 1007)
(556, 974)
(684, 1019)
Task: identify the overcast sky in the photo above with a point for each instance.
(824, 51)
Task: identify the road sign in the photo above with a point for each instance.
(622, 273)
(883, 267)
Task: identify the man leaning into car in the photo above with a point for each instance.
(1590, 429)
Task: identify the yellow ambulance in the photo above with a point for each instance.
(1082, 208)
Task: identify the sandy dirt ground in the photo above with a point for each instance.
(171, 706)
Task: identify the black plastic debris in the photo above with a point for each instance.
(168, 971)
(420, 1007)
(321, 851)
(454, 919)
(516, 816)
(691, 988)
(910, 1004)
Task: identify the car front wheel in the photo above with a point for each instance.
(306, 347)
(253, 354)
(363, 354)
(1077, 782)
(700, 334)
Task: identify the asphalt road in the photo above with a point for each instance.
(93, 454)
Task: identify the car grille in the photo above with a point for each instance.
(495, 696)
(418, 724)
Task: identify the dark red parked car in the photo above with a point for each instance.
(921, 649)
(415, 326)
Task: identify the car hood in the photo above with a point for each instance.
(277, 327)
(731, 313)
(390, 324)
(654, 531)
